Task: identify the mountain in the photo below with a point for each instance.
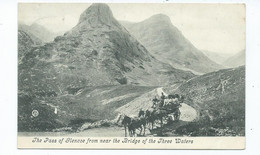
(38, 32)
(220, 98)
(26, 43)
(236, 60)
(216, 57)
(97, 52)
(167, 43)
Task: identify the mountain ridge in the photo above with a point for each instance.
(92, 58)
(216, 57)
(96, 53)
(168, 44)
(236, 60)
(38, 32)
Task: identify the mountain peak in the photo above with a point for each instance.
(167, 43)
(160, 17)
(98, 13)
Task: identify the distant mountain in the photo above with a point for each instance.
(38, 32)
(220, 98)
(216, 57)
(167, 43)
(236, 60)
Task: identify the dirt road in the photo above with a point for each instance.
(131, 109)
(144, 102)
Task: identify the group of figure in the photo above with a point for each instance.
(170, 102)
(161, 109)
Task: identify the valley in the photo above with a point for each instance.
(81, 82)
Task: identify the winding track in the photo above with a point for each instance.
(144, 102)
(188, 114)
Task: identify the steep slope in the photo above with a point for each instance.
(236, 60)
(97, 52)
(220, 98)
(25, 44)
(38, 32)
(216, 57)
(168, 44)
(35, 39)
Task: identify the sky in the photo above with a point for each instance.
(218, 28)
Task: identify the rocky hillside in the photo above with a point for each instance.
(236, 60)
(167, 43)
(220, 97)
(25, 44)
(38, 32)
(97, 52)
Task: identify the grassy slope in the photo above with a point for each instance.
(79, 106)
(220, 96)
(100, 102)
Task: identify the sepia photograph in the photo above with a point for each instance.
(131, 70)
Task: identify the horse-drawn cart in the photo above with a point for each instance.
(164, 109)
(169, 106)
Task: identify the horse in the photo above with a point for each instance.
(161, 113)
(150, 118)
(137, 123)
(157, 114)
(126, 120)
(132, 124)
